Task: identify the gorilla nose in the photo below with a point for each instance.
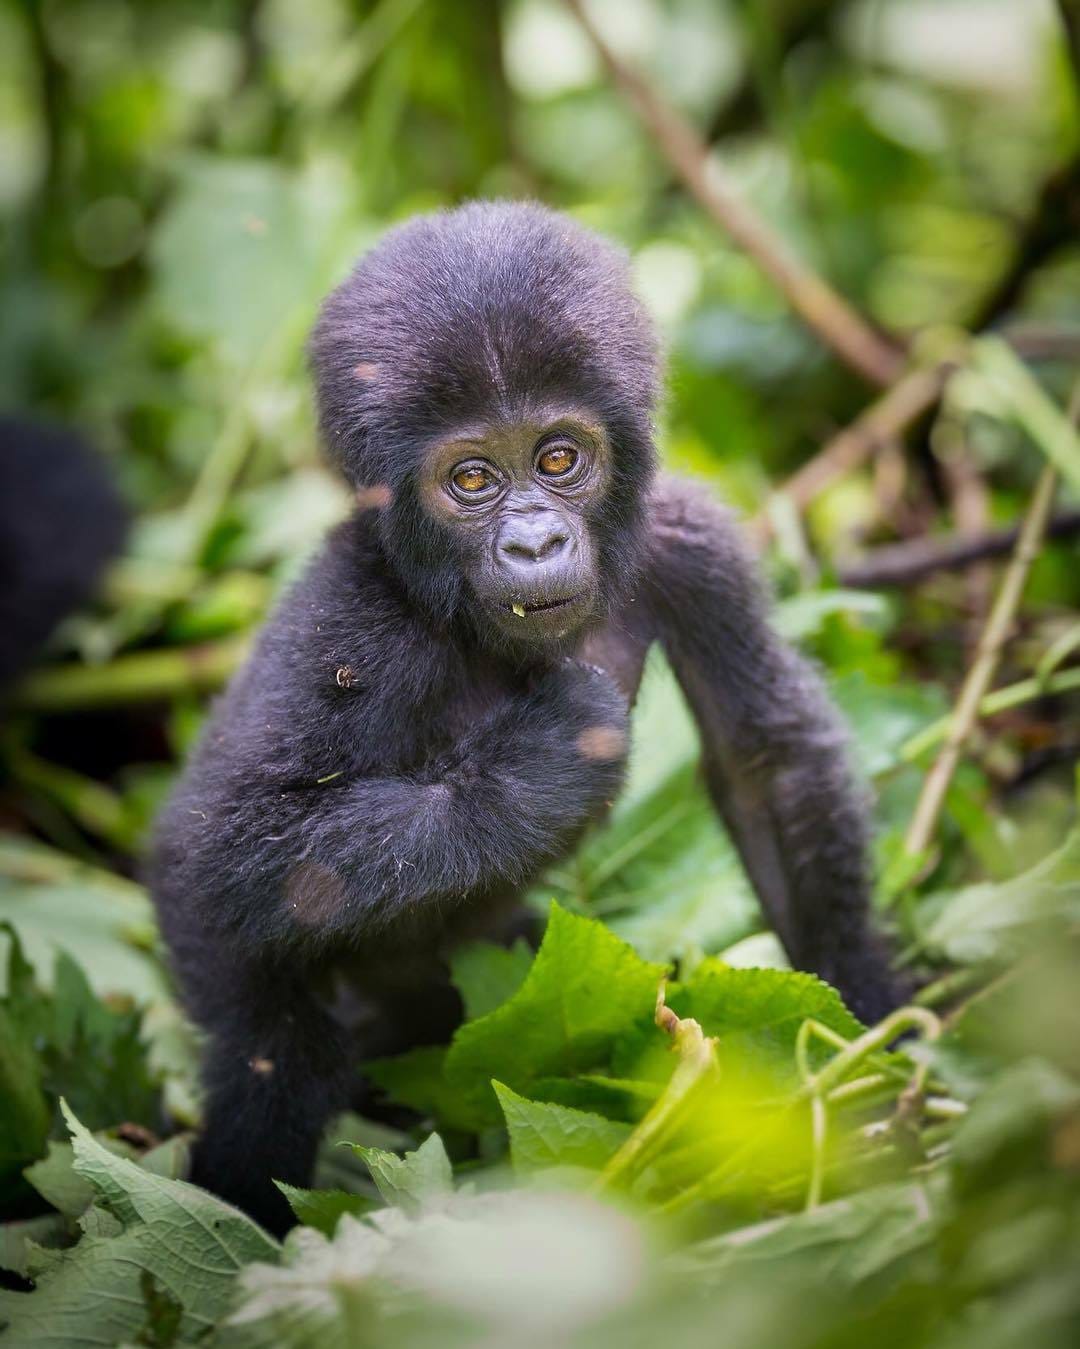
(536, 538)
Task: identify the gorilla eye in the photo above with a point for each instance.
(557, 461)
(472, 479)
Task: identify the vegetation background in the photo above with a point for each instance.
(860, 214)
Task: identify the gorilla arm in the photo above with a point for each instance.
(774, 750)
(263, 860)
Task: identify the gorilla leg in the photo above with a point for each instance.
(278, 1067)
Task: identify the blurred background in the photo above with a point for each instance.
(181, 183)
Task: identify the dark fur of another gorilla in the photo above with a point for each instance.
(61, 519)
(439, 707)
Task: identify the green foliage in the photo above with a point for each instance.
(544, 1135)
(582, 990)
(178, 189)
(66, 1041)
(414, 1182)
(149, 1244)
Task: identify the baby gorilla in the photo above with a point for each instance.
(439, 708)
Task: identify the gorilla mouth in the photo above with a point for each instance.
(544, 606)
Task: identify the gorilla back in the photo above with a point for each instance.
(439, 708)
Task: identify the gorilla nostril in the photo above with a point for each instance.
(535, 548)
(555, 544)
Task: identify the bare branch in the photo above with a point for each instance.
(825, 311)
(912, 394)
(907, 563)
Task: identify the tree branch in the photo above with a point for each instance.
(911, 395)
(907, 563)
(825, 311)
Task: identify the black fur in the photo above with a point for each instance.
(388, 772)
(61, 519)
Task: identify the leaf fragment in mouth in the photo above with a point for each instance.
(518, 609)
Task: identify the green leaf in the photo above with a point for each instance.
(544, 1135)
(414, 1182)
(321, 1209)
(25, 1117)
(94, 1055)
(151, 1236)
(417, 1079)
(759, 1012)
(486, 975)
(584, 988)
(1010, 1119)
(848, 1240)
(883, 717)
(991, 921)
(241, 253)
(56, 1180)
(102, 921)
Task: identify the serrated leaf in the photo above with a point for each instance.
(759, 1011)
(544, 1135)
(322, 1209)
(486, 975)
(186, 1241)
(584, 988)
(413, 1182)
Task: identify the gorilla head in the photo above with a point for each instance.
(487, 380)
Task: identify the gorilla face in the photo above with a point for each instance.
(519, 499)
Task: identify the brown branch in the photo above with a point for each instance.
(825, 311)
(982, 671)
(904, 564)
(912, 394)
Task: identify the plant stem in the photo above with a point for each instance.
(1001, 700)
(984, 667)
(143, 676)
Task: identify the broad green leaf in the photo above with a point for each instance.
(239, 257)
(802, 616)
(322, 1209)
(486, 975)
(759, 1012)
(415, 1181)
(102, 921)
(848, 1240)
(56, 1180)
(584, 988)
(883, 717)
(152, 1242)
(544, 1135)
(991, 921)
(417, 1079)
(20, 1242)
